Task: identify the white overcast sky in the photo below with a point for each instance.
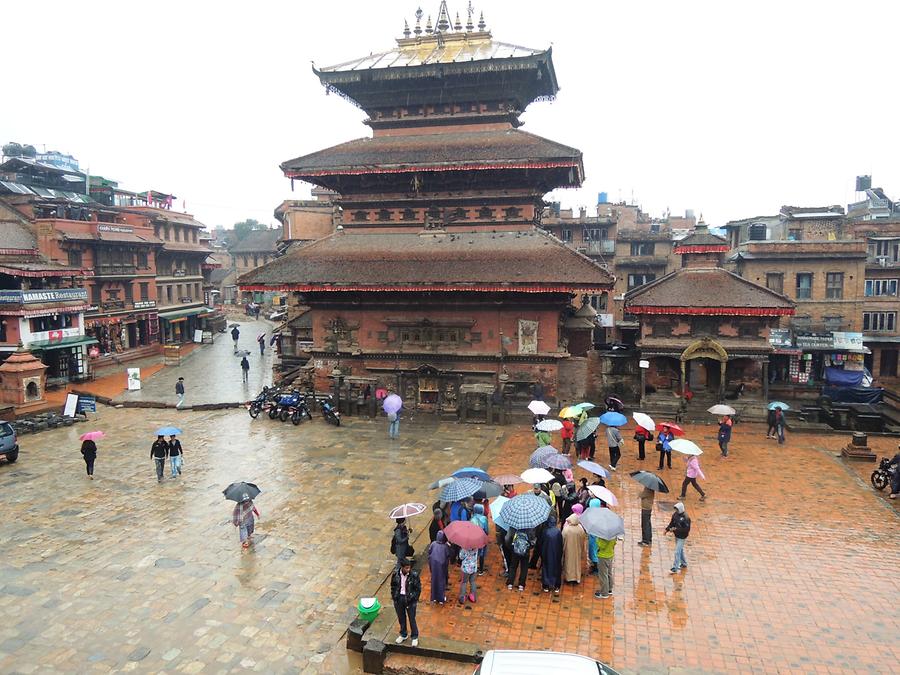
(728, 108)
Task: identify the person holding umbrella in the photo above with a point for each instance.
(691, 474)
(567, 433)
(779, 424)
(652, 484)
(680, 526)
(242, 518)
(89, 453)
(176, 454)
(666, 436)
(724, 438)
(400, 545)
(770, 422)
(391, 407)
(405, 590)
(159, 451)
(518, 543)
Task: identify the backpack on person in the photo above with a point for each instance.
(520, 544)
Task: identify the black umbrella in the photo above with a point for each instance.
(489, 490)
(650, 480)
(241, 491)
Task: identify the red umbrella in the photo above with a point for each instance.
(677, 430)
(465, 534)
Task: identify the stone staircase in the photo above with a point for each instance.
(662, 406)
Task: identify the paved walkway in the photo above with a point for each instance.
(124, 574)
(212, 373)
(793, 567)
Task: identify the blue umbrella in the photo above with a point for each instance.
(613, 419)
(525, 511)
(461, 488)
(168, 431)
(471, 472)
(537, 457)
(778, 404)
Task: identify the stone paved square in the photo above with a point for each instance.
(793, 557)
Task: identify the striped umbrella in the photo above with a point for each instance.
(557, 461)
(525, 511)
(461, 488)
(587, 428)
(537, 457)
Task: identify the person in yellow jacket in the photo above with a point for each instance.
(605, 553)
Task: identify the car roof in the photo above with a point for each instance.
(524, 662)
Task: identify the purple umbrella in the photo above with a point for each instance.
(392, 404)
(556, 461)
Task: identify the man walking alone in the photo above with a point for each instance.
(647, 498)
(245, 368)
(680, 526)
(235, 334)
(179, 391)
(405, 589)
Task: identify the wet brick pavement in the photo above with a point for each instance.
(793, 567)
(212, 373)
(124, 574)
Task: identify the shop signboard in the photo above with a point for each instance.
(134, 379)
(115, 228)
(848, 341)
(71, 405)
(818, 341)
(145, 304)
(87, 404)
(780, 337)
(606, 321)
(55, 335)
(17, 297)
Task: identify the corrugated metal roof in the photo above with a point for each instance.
(16, 188)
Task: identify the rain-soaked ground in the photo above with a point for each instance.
(124, 573)
(793, 558)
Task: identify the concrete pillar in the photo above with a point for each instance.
(722, 369)
(765, 378)
(683, 379)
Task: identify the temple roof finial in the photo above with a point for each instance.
(457, 25)
(406, 31)
(418, 29)
(470, 10)
(443, 17)
(481, 24)
(428, 28)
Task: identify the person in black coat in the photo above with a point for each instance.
(89, 452)
(159, 451)
(405, 590)
(400, 545)
(770, 422)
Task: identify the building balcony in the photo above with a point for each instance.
(602, 247)
(118, 306)
(642, 261)
(115, 270)
(881, 262)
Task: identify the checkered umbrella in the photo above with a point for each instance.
(588, 427)
(461, 488)
(537, 457)
(557, 461)
(602, 523)
(525, 511)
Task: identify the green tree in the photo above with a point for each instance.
(243, 228)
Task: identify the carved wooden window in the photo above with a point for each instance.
(486, 212)
(408, 214)
(513, 212)
(384, 215)
(702, 325)
(360, 215)
(434, 213)
(459, 214)
(661, 329)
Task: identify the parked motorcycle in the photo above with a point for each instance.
(262, 402)
(291, 407)
(330, 413)
(881, 477)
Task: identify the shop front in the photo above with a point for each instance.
(66, 358)
(122, 332)
(178, 327)
(805, 361)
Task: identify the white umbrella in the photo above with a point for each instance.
(685, 447)
(721, 409)
(549, 425)
(537, 475)
(538, 408)
(603, 493)
(644, 420)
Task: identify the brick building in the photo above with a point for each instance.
(704, 328)
(437, 278)
(257, 248)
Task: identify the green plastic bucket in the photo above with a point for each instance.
(368, 608)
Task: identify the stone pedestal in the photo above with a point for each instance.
(858, 448)
(22, 381)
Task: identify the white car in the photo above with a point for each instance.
(530, 662)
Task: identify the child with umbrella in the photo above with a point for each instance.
(242, 517)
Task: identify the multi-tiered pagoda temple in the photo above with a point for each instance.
(437, 276)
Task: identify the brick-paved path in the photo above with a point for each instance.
(793, 567)
(122, 573)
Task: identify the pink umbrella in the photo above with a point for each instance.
(601, 492)
(465, 534)
(91, 436)
(406, 510)
(392, 404)
(508, 479)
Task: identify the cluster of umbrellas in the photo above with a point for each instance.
(97, 435)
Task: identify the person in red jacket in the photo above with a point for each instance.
(568, 435)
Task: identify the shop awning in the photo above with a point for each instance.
(182, 313)
(46, 345)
